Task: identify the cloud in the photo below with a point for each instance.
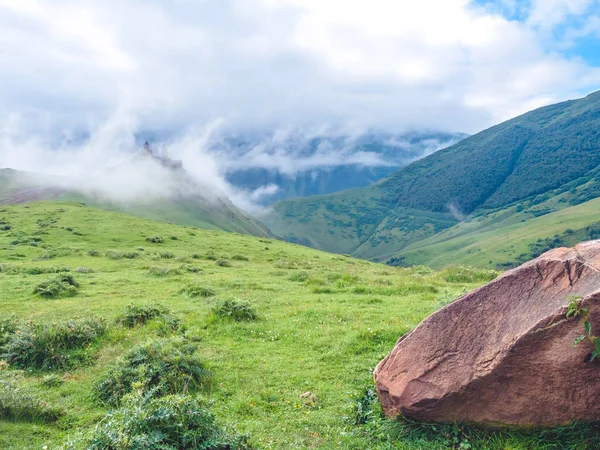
(547, 14)
(67, 65)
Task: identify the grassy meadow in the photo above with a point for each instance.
(247, 325)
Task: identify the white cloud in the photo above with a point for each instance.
(68, 65)
(546, 14)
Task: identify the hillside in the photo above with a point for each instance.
(182, 200)
(552, 152)
(251, 324)
(297, 166)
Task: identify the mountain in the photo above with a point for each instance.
(146, 186)
(277, 168)
(449, 206)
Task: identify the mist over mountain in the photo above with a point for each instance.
(280, 166)
(462, 201)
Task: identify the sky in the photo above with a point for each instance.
(71, 68)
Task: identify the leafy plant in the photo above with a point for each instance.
(170, 422)
(299, 276)
(138, 315)
(18, 404)
(576, 310)
(240, 258)
(195, 290)
(158, 271)
(468, 275)
(52, 346)
(155, 239)
(8, 326)
(223, 263)
(235, 310)
(63, 285)
(159, 367)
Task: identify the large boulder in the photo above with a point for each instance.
(504, 354)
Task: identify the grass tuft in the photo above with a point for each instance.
(158, 367)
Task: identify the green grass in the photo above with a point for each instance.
(322, 331)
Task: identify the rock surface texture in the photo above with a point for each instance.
(503, 354)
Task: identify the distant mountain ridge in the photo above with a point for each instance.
(535, 164)
(148, 186)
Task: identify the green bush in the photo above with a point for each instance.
(157, 368)
(192, 269)
(468, 275)
(299, 276)
(138, 315)
(52, 380)
(323, 290)
(63, 285)
(116, 254)
(57, 253)
(52, 346)
(158, 271)
(93, 252)
(155, 239)
(10, 269)
(240, 258)
(174, 422)
(223, 263)
(167, 255)
(195, 290)
(17, 404)
(235, 310)
(8, 326)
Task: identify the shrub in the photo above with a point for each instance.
(8, 326)
(113, 254)
(93, 252)
(50, 346)
(167, 255)
(116, 254)
(192, 269)
(155, 239)
(159, 367)
(240, 258)
(322, 290)
(33, 270)
(235, 310)
(468, 275)
(17, 404)
(43, 270)
(138, 315)
(211, 257)
(52, 380)
(63, 285)
(57, 253)
(162, 271)
(223, 263)
(299, 276)
(171, 422)
(198, 291)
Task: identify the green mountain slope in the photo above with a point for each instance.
(542, 153)
(184, 202)
(323, 323)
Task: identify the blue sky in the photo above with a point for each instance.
(571, 28)
(72, 67)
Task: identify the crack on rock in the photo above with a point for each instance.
(567, 265)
